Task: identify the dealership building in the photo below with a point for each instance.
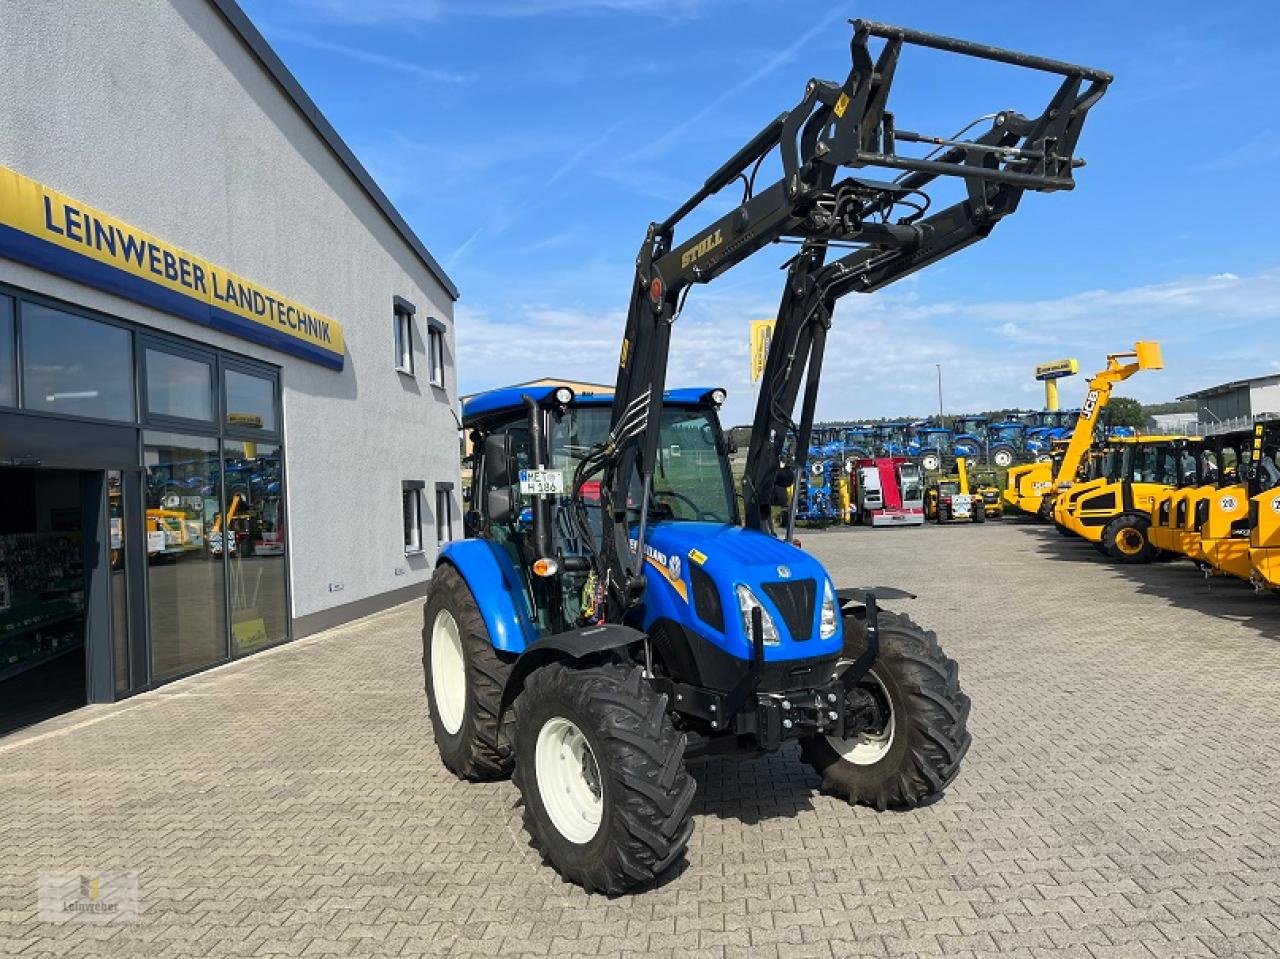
(227, 374)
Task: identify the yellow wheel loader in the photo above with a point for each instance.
(1032, 487)
(951, 499)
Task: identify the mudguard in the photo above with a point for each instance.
(573, 644)
(498, 590)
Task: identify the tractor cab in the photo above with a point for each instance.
(892, 438)
(692, 488)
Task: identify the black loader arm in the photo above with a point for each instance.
(881, 228)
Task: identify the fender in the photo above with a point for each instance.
(571, 645)
(498, 590)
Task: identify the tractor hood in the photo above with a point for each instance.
(788, 583)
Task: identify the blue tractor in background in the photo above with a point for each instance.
(815, 495)
(619, 605)
(932, 445)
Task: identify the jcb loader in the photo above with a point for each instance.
(1032, 487)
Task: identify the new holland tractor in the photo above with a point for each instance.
(617, 608)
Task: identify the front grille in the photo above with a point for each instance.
(795, 601)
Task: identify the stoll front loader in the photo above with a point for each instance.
(608, 622)
(1032, 487)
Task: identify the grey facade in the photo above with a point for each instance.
(173, 116)
(1238, 400)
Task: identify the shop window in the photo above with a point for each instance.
(444, 513)
(178, 385)
(8, 374)
(252, 535)
(435, 353)
(411, 503)
(251, 402)
(76, 366)
(404, 311)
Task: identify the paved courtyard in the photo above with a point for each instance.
(1122, 796)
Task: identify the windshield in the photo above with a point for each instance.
(909, 478)
(949, 489)
(691, 479)
(1008, 433)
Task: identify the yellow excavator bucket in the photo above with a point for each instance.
(1148, 353)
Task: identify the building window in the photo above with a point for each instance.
(444, 513)
(435, 352)
(76, 366)
(411, 503)
(404, 311)
(178, 385)
(251, 402)
(8, 374)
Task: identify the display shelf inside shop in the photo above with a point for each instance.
(41, 599)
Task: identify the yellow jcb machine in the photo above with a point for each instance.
(953, 500)
(1205, 466)
(1114, 511)
(1264, 506)
(1031, 488)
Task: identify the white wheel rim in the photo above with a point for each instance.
(931, 462)
(867, 749)
(1003, 459)
(448, 672)
(568, 780)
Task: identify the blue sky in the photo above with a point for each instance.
(530, 143)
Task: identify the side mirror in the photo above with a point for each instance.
(499, 477)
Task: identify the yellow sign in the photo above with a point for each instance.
(761, 338)
(53, 232)
(1051, 371)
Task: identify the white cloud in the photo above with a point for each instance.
(882, 349)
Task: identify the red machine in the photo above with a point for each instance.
(888, 491)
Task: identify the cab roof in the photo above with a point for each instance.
(484, 408)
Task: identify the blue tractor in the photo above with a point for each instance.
(892, 438)
(932, 445)
(618, 607)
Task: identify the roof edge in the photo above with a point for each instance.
(252, 38)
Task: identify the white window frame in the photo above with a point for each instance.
(435, 354)
(411, 517)
(444, 514)
(404, 311)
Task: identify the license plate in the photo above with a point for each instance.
(541, 482)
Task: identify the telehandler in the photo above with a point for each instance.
(614, 610)
(950, 500)
(1032, 487)
(1113, 512)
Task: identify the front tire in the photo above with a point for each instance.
(931, 462)
(917, 754)
(601, 771)
(464, 676)
(1127, 539)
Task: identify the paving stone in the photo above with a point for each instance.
(1122, 796)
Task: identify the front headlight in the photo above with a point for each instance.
(747, 601)
(830, 615)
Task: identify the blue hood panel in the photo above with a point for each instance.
(731, 555)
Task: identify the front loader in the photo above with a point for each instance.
(1032, 487)
(617, 609)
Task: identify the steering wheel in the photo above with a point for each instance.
(701, 514)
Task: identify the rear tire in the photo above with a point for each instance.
(913, 760)
(1004, 456)
(931, 462)
(1127, 539)
(614, 814)
(464, 676)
